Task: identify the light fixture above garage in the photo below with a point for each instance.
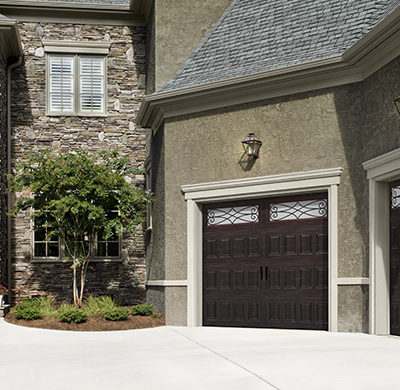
(251, 145)
(397, 104)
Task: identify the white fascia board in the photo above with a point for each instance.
(55, 12)
(65, 4)
(377, 48)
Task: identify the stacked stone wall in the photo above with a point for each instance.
(3, 168)
(32, 128)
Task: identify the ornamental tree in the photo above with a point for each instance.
(75, 196)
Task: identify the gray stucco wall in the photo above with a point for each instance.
(180, 25)
(337, 127)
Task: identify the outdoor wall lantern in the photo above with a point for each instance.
(397, 104)
(251, 145)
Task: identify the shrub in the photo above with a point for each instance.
(43, 305)
(75, 316)
(116, 314)
(144, 310)
(98, 305)
(29, 303)
(28, 313)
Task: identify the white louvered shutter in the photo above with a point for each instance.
(91, 84)
(61, 75)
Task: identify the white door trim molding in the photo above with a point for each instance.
(301, 182)
(380, 171)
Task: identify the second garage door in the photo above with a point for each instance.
(265, 263)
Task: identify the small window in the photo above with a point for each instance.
(302, 209)
(76, 84)
(107, 247)
(45, 244)
(395, 197)
(233, 215)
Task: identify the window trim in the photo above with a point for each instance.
(76, 50)
(59, 259)
(45, 258)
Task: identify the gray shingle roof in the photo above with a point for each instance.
(259, 35)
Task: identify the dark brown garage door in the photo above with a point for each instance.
(395, 258)
(265, 263)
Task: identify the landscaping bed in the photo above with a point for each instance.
(93, 323)
(97, 314)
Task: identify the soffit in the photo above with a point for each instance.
(9, 37)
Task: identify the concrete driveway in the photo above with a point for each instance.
(196, 358)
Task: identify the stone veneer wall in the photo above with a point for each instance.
(3, 168)
(33, 129)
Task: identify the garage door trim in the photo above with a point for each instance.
(294, 183)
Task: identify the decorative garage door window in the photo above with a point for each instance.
(395, 197)
(233, 215)
(302, 209)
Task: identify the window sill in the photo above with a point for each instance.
(77, 115)
(97, 260)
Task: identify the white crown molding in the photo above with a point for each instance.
(297, 181)
(380, 167)
(57, 46)
(372, 52)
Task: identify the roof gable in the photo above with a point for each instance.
(257, 35)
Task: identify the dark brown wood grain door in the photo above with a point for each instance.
(265, 263)
(395, 258)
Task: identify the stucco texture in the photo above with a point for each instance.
(337, 127)
(180, 25)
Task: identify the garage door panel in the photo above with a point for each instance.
(273, 273)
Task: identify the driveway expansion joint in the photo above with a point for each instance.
(223, 357)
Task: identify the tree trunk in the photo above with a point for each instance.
(82, 283)
(75, 286)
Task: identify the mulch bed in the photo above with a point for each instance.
(92, 324)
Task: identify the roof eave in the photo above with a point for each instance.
(10, 41)
(136, 13)
(372, 52)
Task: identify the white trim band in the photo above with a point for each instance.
(167, 283)
(352, 281)
(58, 46)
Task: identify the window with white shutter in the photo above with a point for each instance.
(61, 78)
(76, 84)
(91, 84)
